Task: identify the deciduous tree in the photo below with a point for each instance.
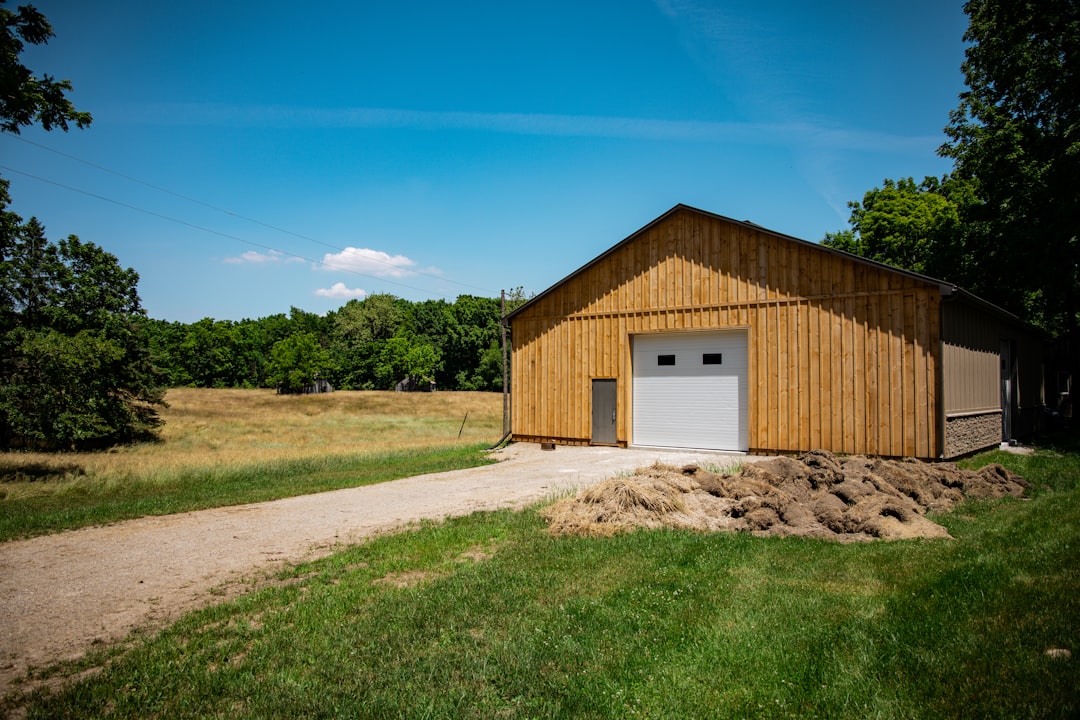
(26, 99)
(297, 361)
(1016, 135)
(909, 226)
(75, 368)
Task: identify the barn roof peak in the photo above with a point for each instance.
(947, 289)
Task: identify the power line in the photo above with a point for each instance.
(201, 228)
(216, 208)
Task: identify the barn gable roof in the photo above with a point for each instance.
(947, 289)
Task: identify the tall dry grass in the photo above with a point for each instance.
(215, 428)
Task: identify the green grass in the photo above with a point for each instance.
(80, 501)
(488, 616)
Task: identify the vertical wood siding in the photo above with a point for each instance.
(843, 355)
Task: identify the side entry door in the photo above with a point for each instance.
(1009, 389)
(604, 412)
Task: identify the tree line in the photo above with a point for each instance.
(368, 344)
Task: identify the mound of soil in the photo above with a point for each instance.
(817, 495)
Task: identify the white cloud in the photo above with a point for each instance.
(369, 262)
(340, 292)
(255, 258)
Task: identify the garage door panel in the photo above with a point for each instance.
(683, 401)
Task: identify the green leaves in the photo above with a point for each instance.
(74, 360)
(73, 391)
(372, 343)
(297, 361)
(1006, 223)
(1015, 134)
(909, 226)
(24, 98)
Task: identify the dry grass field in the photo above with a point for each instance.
(242, 426)
(229, 446)
(214, 428)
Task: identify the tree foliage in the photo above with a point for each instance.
(75, 368)
(373, 343)
(1006, 222)
(1016, 135)
(26, 99)
(297, 361)
(905, 225)
(916, 227)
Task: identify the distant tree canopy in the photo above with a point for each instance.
(372, 343)
(296, 361)
(1005, 223)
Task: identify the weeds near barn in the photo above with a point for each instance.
(490, 616)
(732, 468)
(225, 447)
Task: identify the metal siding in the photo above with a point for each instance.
(691, 404)
(972, 363)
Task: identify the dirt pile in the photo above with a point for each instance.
(817, 495)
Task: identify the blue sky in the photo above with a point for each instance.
(248, 157)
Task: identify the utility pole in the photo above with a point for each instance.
(506, 395)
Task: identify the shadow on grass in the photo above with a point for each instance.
(39, 472)
(1064, 440)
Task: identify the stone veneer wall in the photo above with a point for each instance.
(967, 433)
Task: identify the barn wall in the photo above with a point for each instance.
(971, 372)
(971, 361)
(843, 355)
(972, 341)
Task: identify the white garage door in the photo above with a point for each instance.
(690, 390)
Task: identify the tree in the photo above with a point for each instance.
(909, 226)
(1016, 136)
(24, 98)
(210, 354)
(297, 361)
(75, 370)
(404, 356)
(361, 330)
(472, 331)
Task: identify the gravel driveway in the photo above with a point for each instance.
(61, 594)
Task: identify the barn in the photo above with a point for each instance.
(699, 331)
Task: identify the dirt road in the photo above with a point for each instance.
(61, 594)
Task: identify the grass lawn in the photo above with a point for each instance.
(488, 616)
(227, 447)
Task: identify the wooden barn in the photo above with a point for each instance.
(699, 331)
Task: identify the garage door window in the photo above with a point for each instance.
(665, 359)
(712, 359)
